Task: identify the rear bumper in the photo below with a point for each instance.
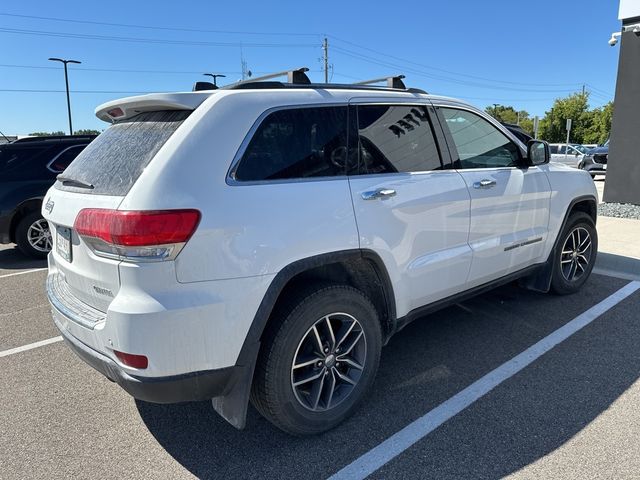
(194, 386)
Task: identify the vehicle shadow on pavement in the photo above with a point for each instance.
(14, 259)
(424, 365)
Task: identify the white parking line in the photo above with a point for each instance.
(30, 346)
(415, 431)
(23, 272)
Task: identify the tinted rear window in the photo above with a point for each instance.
(114, 161)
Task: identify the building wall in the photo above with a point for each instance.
(623, 169)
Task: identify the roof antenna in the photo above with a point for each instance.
(214, 76)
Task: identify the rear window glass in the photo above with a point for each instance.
(114, 161)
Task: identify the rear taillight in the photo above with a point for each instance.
(136, 235)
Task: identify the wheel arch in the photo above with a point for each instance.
(363, 269)
(23, 209)
(541, 280)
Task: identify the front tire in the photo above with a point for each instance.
(575, 254)
(318, 360)
(33, 236)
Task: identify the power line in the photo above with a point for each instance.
(117, 70)
(414, 71)
(28, 90)
(125, 70)
(430, 67)
(113, 38)
(599, 90)
(155, 27)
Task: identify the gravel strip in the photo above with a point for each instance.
(620, 210)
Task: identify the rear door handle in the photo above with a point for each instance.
(484, 183)
(379, 193)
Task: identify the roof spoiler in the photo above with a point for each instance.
(121, 109)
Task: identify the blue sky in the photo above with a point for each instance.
(516, 53)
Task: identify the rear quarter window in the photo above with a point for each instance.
(115, 159)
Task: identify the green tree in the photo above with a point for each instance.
(576, 107)
(508, 114)
(600, 127)
(47, 134)
(87, 131)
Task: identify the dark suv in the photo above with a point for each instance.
(28, 167)
(595, 161)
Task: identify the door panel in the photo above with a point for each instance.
(409, 209)
(509, 221)
(509, 212)
(420, 232)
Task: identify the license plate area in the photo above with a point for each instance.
(63, 243)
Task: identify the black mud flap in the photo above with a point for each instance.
(540, 280)
(233, 405)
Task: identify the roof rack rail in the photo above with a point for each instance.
(392, 82)
(294, 76)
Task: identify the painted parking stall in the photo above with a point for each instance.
(58, 400)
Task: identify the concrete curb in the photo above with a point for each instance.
(617, 266)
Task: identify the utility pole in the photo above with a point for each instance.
(325, 48)
(246, 73)
(66, 81)
(583, 89)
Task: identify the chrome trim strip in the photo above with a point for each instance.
(71, 307)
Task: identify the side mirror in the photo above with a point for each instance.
(538, 152)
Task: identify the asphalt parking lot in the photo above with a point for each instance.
(571, 413)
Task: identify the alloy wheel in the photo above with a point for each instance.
(39, 236)
(576, 254)
(328, 362)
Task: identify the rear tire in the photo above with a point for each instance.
(331, 334)
(575, 254)
(33, 236)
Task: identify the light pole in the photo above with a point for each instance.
(214, 76)
(66, 81)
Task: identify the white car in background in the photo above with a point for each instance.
(264, 240)
(570, 155)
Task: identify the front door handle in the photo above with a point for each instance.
(379, 193)
(484, 183)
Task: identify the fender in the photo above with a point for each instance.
(232, 406)
(541, 280)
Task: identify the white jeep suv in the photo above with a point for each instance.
(264, 240)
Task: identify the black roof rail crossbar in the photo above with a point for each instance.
(294, 76)
(392, 82)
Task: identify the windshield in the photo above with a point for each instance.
(581, 148)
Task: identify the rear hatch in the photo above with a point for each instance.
(99, 178)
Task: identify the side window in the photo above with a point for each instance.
(297, 143)
(62, 161)
(395, 138)
(553, 149)
(478, 142)
(15, 157)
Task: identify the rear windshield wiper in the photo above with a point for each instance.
(72, 182)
